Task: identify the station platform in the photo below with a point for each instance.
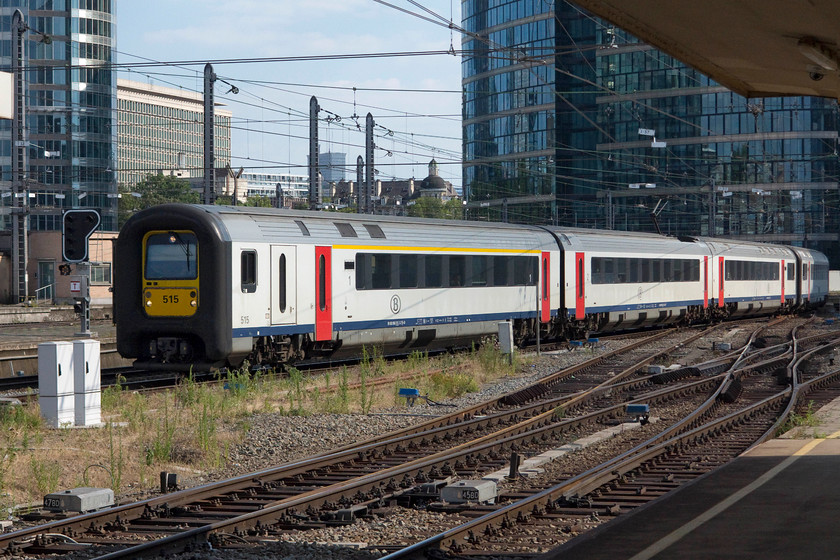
(28, 336)
(22, 327)
(779, 500)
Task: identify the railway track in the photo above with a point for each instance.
(336, 488)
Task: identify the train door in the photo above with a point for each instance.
(705, 281)
(782, 276)
(323, 293)
(283, 284)
(580, 281)
(721, 271)
(545, 303)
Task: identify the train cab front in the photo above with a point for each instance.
(164, 293)
(170, 290)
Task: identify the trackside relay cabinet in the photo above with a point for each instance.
(56, 383)
(87, 377)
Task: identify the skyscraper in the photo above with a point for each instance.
(70, 107)
(634, 132)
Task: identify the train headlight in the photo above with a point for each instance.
(148, 303)
(192, 303)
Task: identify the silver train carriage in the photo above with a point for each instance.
(204, 286)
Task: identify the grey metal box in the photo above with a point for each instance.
(506, 337)
(88, 408)
(58, 411)
(476, 491)
(79, 499)
(86, 369)
(55, 369)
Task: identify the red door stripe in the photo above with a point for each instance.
(721, 303)
(323, 293)
(783, 282)
(545, 305)
(580, 284)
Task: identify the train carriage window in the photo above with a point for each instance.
(791, 271)
(667, 275)
(408, 271)
(248, 271)
(646, 266)
(633, 270)
(676, 268)
(608, 275)
(478, 270)
(728, 268)
(656, 270)
(322, 283)
(523, 271)
(545, 278)
(380, 271)
(621, 271)
(281, 283)
(580, 279)
(686, 270)
(595, 270)
(457, 271)
(500, 271)
(433, 275)
(362, 271)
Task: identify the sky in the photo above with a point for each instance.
(270, 112)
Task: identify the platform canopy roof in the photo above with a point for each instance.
(756, 48)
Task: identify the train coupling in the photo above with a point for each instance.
(170, 349)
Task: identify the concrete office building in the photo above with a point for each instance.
(161, 130)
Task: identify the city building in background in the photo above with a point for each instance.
(161, 131)
(332, 166)
(70, 108)
(569, 105)
(293, 187)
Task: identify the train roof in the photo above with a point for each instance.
(273, 225)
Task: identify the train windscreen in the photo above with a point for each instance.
(171, 256)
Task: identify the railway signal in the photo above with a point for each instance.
(77, 227)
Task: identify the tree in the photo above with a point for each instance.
(154, 190)
(434, 208)
(259, 202)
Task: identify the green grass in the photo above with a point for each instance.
(807, 419)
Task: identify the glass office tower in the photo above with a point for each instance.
(70, 108)
(637, 140)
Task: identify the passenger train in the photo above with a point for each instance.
(208, 286)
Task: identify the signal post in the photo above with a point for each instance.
(77, 227)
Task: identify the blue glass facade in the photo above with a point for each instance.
(621, 128)
(509, 103)
(71, 108)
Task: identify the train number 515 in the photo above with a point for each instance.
(170, 299)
